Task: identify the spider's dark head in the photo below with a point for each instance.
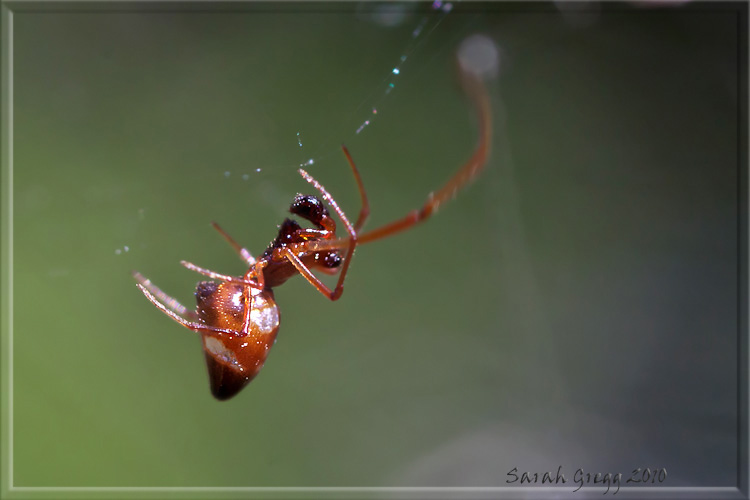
(311, 208)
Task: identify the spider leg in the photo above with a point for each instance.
(196, 327)
(314, 280)
(244, 254)
(168, 302)
(329, 199)
(322, 245)
(218, 276)
(257, 270)
(352, 243)
(364, 210)
(475, 89)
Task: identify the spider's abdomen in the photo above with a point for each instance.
(221, 304)
(234, 360)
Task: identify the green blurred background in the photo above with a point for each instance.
(577, 306)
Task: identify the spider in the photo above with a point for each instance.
(237, 317)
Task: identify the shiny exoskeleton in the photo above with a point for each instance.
(237, 317)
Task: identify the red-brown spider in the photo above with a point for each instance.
(238, 318)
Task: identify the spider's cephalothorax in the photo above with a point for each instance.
(291, 234)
